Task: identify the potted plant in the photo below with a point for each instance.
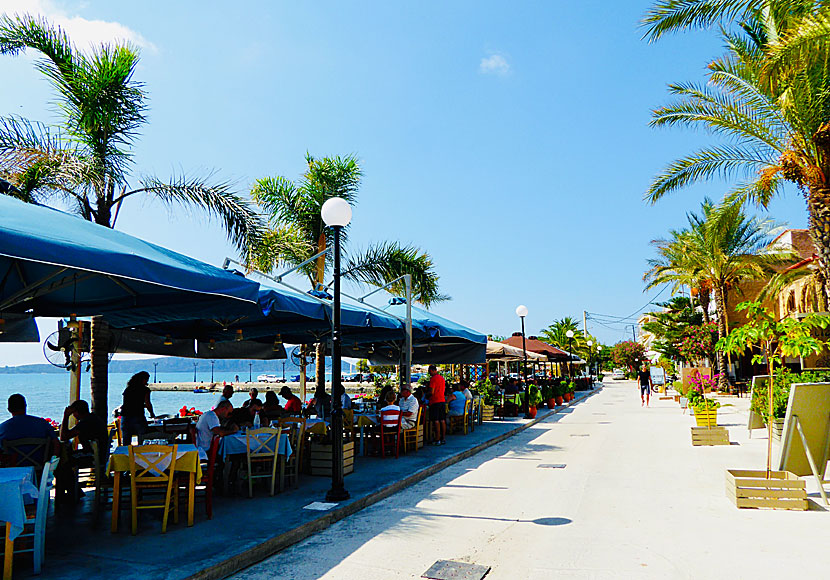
(569, 391)
(547, 394)
(706, 411)
(559, 392)
(488, 400)
(534, 399)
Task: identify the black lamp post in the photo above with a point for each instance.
(155, 371)
(211, 370)
(194, 371)
(521, 312)
(590, 344)
(570, 335)
(336, 213)
(250, 372)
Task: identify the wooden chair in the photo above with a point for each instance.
(35, 525)
(463, 420)
(179, 429)
(296, 436)
(153, 468)
(95, 476)
(114, 430)
(262, 447)
(208, 476)
(348, 424)
(390, 428)
(29, 451)
(413, 438)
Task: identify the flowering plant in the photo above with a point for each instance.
(191, 412)
(55, 425)
(699, 342)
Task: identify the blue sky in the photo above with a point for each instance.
(508, 140)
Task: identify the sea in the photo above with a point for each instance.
(47, 394)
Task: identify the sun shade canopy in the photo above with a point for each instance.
(56, 264)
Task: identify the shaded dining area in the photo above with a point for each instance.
(91, 486)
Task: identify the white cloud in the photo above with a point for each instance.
(82, 31)
(494, 64)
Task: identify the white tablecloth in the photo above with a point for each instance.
(237, 443)
(16, 485)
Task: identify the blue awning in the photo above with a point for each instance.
(56, 264)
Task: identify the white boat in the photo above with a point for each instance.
(267, 379)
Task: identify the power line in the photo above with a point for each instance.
(630, 316)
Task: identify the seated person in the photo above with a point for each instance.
(322, 405)
(244, 416)
(422, 394)
(391, 420)
(227, 393)
(88, 428)
(456, 401)
(409, 407)
(209, 424)
(23, 426)
(465, 388)
(293, 404)
(272, 408)
(254, 392)
(382, 396)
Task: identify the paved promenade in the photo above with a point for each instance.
(633, 500)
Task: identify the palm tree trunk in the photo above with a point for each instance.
(720, 305)
(99, 352)
(818, 206)
(704, 299)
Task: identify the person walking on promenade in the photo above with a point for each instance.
(437, 406)
(644, 380)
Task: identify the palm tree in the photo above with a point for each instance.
(728, 247)
(299, 232)
(86, 162)
(770, 103)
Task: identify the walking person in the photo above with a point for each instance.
(437, 406)
(136, 399)
(644, 379)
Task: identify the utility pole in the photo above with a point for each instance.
(633, 332)
(585, 323)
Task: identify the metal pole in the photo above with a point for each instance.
(408, 282)
(251, 372)
(194, 371)
(155, 372)
(570, 359)
(524, 367)
(338, 491)
(211, 370)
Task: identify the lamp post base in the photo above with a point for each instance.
(335, 495)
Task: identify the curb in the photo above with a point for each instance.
(277, 543)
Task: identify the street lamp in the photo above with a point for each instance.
(599, 358)
(250, 372)
(570, 335)
(155, 370)
(211, 370)
(336, 213)
(521, 312)
(590, 343)
(194, 371)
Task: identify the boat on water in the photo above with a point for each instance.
(267, 379)
(200, 390)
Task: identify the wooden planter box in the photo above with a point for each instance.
(710, 436)
(751, 489)
(676, 398)
(320, 458)
(706, 418)
(487, 412)
(777, 429)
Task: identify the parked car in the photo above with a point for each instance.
(619, 374)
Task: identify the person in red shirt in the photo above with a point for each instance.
(437, 406)
(293, 404)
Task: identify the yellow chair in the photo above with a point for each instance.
(414, 437)
(296, 436)
(462, 420)
(262, 447)
(153, 468)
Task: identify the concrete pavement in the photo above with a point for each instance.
(633, 500)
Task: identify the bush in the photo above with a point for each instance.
(534, 396)
(781, 391)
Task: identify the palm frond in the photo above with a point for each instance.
(381, 263)
(708, 163)
(241, 221)
(278, 248)
(674, 15)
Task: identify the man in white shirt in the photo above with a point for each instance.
(227, 393)
(465, 388)
(409, 408)
(209, 424)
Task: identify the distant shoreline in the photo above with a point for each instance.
(216, 387)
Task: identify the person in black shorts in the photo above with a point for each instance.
(644, 380)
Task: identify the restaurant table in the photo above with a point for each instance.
(364, 420)
(237, 444)
(316, 426)
(188, 460)
(16, 486)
